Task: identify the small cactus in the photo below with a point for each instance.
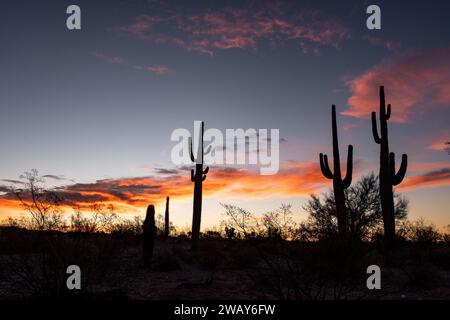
(166, 220)
(148, 233)
(339, 184)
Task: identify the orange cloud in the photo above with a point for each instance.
(294, 179)
(414, 82)
(127, 193)
(435, 178)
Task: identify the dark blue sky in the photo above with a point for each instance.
(102, 102)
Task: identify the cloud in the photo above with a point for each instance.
(166, 171)
(54, 177)
(107, 58)
(413, 83)
(427, 166)
(154, 69)
(294, 179)
(439, 145)
(13, 181)
(441, 142)
(380, 42)
(435, 178)
(159, 70)
(246, 28)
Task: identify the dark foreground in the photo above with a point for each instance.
(33, 265)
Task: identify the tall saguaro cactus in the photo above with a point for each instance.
(339, 184)
(198, 176)
(166, 220)
(388, 177)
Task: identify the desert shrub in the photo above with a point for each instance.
(419, 231)
(280, 223)
(290, 270)
(230, 233)
(242, 221)
(425, 234)
(39, 267)
(128, 227)
(43, 205)
(211, 234)
(422, 277)
(244, 256)
(81, 223)
(446, 238)
(242, 224)
(21, 223)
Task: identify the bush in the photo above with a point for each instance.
(419, 231)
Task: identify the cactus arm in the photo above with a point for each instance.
(204, 177)
(190, 149)
(324, 167)
(374, 128)
(348, 175)
(206, 170)
(388, 113)
(398, 177)
(192, 175)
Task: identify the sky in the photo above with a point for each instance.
(93, 109)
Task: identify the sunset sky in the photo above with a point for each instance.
(93, 109)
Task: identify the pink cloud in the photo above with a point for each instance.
(431, 179)
(159, 70)
(107, 58)
(381, 42)
(228, 28)
(441, 142)
(414, 82)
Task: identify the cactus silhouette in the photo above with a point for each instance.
(166, 220)
(339, 184)
(198, 176)
(148, 233)
(388, 177)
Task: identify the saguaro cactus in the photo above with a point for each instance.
(388, 177)
(166, 219)
(148, 233)
(339, 184)
(198, 176)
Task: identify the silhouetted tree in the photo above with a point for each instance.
(241, 221)
(363, 206)
(280, 223)
(149, 232)
(42, 204)
(198, 176)
(387, 175)
(339, 184)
